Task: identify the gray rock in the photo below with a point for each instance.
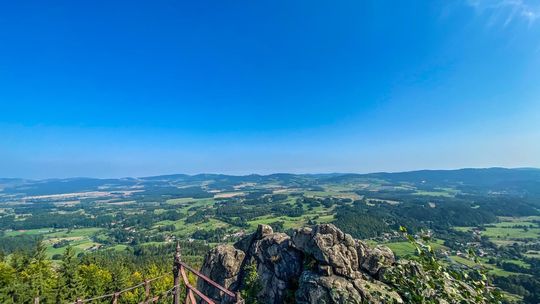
(325, 270)
(314, 288)
(362, 250)
(245, 243)
(376, 292)
(329, 246)
(377, 258)
(278, 266)
(262, 231)
(222, 264)
(318, 265)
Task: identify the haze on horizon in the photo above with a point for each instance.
(133, 88)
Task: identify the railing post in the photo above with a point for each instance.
(115, 298)
(36, 300)
(176, 273)
(146, 291)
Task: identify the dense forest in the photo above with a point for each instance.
(61, 239)
(30, 274)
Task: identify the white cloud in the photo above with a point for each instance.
(506, 11)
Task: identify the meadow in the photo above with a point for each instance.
(136, 217)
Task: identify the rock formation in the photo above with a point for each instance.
(316, 265)
(223, 265)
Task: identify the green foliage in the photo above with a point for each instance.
(252, 285)
(131, 223)
(68, 281)
(360, 222)
(25, 276)
(428, 280)
(94, 279)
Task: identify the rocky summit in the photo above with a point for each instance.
(320, 264)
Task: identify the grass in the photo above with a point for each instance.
(203, 202)
(533, 254)
(491, 269)
(288, 222)
(119, 247)
(463, 261)
(79, 238)
(186, 203)
(323, 219)
(443, 192)
(434, 193)
(401, 249)
(29, 232)
(374, 201)
(504, 232)
(78, 246)
(184, 230)
(404, 248)
(463, 229)
(82, 232)
(500, 272)
(520, 263)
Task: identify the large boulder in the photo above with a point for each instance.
(320, 264)
(246, 242)
(279, 265)
(376, 259)
(329, 246)
(222, 264)
(316, 288)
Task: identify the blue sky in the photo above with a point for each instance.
(134, 88)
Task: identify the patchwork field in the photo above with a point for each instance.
(142, 215)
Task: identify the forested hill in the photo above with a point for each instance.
(467, 175)
(493, 214)
(527, 179)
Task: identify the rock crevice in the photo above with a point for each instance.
(320, 264)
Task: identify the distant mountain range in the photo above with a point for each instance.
(488, 177)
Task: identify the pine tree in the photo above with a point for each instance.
(7, 280)
(68, 283)
(39, 275)
(94, 280)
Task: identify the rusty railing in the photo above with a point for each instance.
(180, 278)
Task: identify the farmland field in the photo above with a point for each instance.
(139, 216)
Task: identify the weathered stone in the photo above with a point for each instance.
(362, 250)
(318, 265)
(222, 264)
(314, 288)
(245, 243)
(279, 264)
(262, 231)
(325, 270)
(329, 246)
(410, 268)
(376, 292)
(378, 258)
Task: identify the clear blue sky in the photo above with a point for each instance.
(134, 88)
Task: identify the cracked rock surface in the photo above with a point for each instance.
(320, 264)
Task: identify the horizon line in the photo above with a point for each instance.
(269, 174)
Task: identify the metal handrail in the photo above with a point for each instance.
(178, 272)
